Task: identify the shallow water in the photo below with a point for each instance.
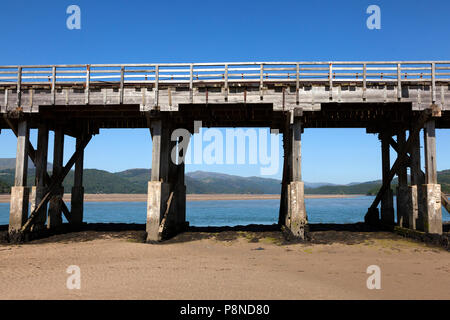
(228, 212)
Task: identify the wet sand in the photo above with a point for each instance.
(224, 265)
(4, 198)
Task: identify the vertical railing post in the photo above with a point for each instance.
(53, 85)
(297, 84)
(330, 79)
(261, 81)
(226, 82)
(191, 83)
(19, 86)
(364, 81)
(399, 81)
(433, 83)
(156, 85)
(122, 81)
(88, 83)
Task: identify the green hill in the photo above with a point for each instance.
(199, 182)
(368, 188)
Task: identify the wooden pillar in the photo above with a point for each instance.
(179, 186)
(172, 221)
(296, 221)
(430, 152)
(20, 192)
(296, 154)
(282, 217)
(38, 191)
(415, 212)
(55, 209)
(387, 202)
(402, 189)
(431, 190)
(158, 186)
(77, 197)
(181, 222)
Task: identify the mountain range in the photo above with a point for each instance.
(198, 182)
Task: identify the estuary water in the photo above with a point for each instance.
(228, 212)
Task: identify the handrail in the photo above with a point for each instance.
(363, 72)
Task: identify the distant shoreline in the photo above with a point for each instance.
(115, 197)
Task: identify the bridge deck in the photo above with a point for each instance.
(165, 87)
(330, 94)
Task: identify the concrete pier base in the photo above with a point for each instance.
(158, 194)
(37, 194)
(77, 204)
(432, 208)
(296, 219)
(18, 208)
(412, 207)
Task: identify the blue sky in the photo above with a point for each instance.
(212, 31)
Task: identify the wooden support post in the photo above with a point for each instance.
(20, 192)
(180, 189)
(372, 215)
(431, 190)
(55, 210)
(402, 189)
(38, 191)
(430, 152)
(415, 212)
(55, 186)
(282, 217)
(296, 166)
(158, 187)
(171, 223)
(296, 219)
(387, 207)
(77, 198)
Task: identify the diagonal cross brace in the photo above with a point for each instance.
(65, 210)
(32, 155)
(444, 199)
(56, 182)
(425, 115)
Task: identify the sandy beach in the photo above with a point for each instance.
(224, 265)
(4, 198)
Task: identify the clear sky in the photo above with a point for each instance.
(35, 32)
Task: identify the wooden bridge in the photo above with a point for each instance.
(393, 99)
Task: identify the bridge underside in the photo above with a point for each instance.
(373, 117)
(418, 201)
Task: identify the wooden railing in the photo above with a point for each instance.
(362, 72)
(329, 73)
